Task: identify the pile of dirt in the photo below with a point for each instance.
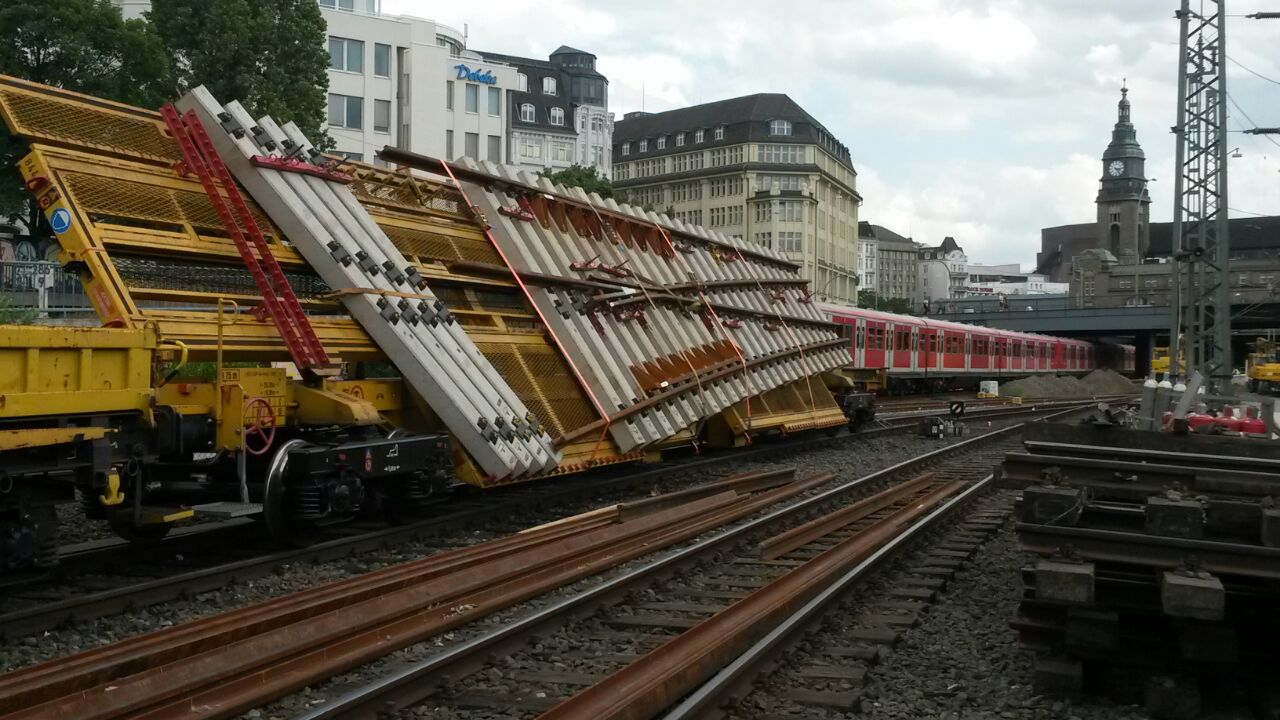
(1098, 382)
(1108, 382)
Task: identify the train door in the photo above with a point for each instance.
(929, 344)
(901, 347)
(859, 342)
(874, 355)
(917, 360)
(1016, 355)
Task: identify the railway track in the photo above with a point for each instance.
(106, 577)
(242, 659)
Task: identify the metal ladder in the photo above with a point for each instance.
(278, 299)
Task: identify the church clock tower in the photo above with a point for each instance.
(1124, 207)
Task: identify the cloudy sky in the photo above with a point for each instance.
(981, 119)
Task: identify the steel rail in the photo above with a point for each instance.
(711, 694)
(412, 685)
(102, 603)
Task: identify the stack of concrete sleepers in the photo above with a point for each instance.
(383, 291)
(580, 282)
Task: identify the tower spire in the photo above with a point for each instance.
(1124, 101)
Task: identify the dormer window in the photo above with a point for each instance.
(698, 135)
(662, 142)
(626, 148)
(679, 139)
(548, 86)
(779, 127)
(644, 145)
(719, 132)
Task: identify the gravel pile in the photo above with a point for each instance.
(962, 660)
(1098, 382)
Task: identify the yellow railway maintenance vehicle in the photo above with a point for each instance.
(533, 330)
(1262, 366)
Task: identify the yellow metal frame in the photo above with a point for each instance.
(75, 371)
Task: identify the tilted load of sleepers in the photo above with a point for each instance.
(663, 327)
(380, 288)
(666, 330)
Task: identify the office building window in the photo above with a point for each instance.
(562, 150)
(662, 142)
(346, 54)
(644, 145)
(495, 101)
(339, 4)
(698, 135)
(780, 153)
(495, 149)
(548, 86)
(358, 157)
(789, 242)
(556, 116)
(597, 123)
(382, 116)
(626, 148)
(472, 97)
(381, 60)
(448, 94)
(472, 149)
(527, 113)
(530, 149)
(522, 82)
(346, 111)
(719, 132)
(779, 127)
(448, 144)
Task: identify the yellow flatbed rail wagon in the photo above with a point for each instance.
(591, 332)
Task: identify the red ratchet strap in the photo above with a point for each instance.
(604, 414)
(746, 378)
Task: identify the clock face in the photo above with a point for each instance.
(1115, 168)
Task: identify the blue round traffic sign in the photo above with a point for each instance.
(60, 220)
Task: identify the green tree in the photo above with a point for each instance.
(587, 178)
(268, 54)
(80, 45)
(872, 300)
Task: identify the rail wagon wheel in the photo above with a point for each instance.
(277, 501)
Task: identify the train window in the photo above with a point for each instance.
(933, 343)
(846, 331)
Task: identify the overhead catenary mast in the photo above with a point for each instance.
(1200, 309)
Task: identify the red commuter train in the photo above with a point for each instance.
(923, 353)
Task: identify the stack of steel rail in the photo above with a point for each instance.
(1157, 557)
(227, 664)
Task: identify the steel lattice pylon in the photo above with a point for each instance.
(1201, 307)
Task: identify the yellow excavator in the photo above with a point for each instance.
(1263, 366)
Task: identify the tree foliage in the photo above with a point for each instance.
(871, 300)
(268, 54)
(80, 45)
(587, 178)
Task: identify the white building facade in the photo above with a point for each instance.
(943, 272)
(411, 83)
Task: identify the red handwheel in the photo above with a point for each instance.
(263, 425)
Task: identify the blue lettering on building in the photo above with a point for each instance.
(480, 76)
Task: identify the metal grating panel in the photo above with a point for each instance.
(561, 390)
(67, 122)
(127, 199)
(440, 247)
(200, 277)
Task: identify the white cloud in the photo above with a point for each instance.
(980, 119)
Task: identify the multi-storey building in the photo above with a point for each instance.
(868, 258)
(943, 272)
(897, 258)
(559, 112)
(757, 167)
(413, 84)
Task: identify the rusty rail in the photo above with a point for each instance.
(659, 679)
